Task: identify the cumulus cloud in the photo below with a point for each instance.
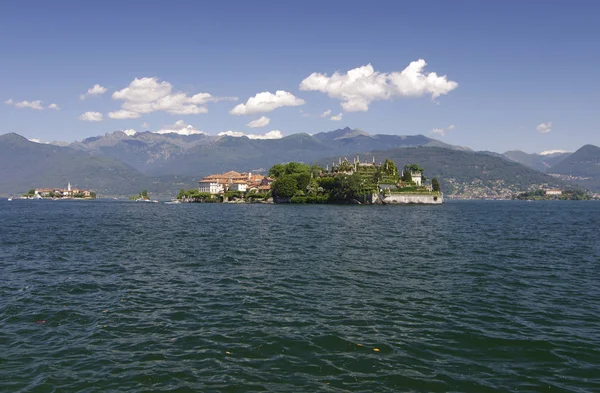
(37, 105)
(360, 86)
(96, 90)
(123, 114)
(91, 116)
(337, 117)
(130, 132)
(326, 113)
(274, 134)
(261, 122)
(146, 95)
(54, 106)
(442, 131)
(544, 128)
(181, 128)
(266, 102)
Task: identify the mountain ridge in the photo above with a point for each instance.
(119, 164)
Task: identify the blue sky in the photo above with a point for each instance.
(518, 74)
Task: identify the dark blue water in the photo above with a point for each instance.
(465, 297)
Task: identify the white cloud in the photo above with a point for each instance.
(130, 132)
(96, 90)
(146, 95)
(363, 85)
(235, 134)
(91, 116)
(37, 105)
(326, 113)
(179, 128)
(54, 106)
(443, 131)
(337, 117)
(274, 134)
(550, 152)
(266, 102)
(123, 114)
(261, 122)
(544, 128)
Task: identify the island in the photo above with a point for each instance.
(343, 182)
(554, 194)
(59, 193)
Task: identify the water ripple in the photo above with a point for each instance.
(470, 296)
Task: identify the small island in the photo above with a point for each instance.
(142, 197)
(553, 194)
(344, 182)
(59, 193)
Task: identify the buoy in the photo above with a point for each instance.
(376, 349)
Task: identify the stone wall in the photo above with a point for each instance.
(425, 199)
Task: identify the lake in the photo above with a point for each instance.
(470, 296)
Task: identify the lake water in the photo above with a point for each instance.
(465, 297)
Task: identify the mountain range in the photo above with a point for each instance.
(118, 163)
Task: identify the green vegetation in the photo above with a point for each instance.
(435, 184)
(193, 195)
(142, 195)
(345, 183)
(568, 195)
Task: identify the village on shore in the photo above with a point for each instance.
(58, 193)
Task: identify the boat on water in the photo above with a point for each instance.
(146, 200)
(173, 202)
(10, 198)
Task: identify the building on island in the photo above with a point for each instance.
(220, 183)
(69, 192)
(553, 192)
(416, 177)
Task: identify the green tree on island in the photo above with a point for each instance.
(435, 184)
(389, 168)
(284, 187)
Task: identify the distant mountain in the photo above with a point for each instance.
(540, 162)
(581, 167)
(173, 154)
(27, 165)
(467, 172)
(121, 164)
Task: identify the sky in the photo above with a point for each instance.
(489, 75)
